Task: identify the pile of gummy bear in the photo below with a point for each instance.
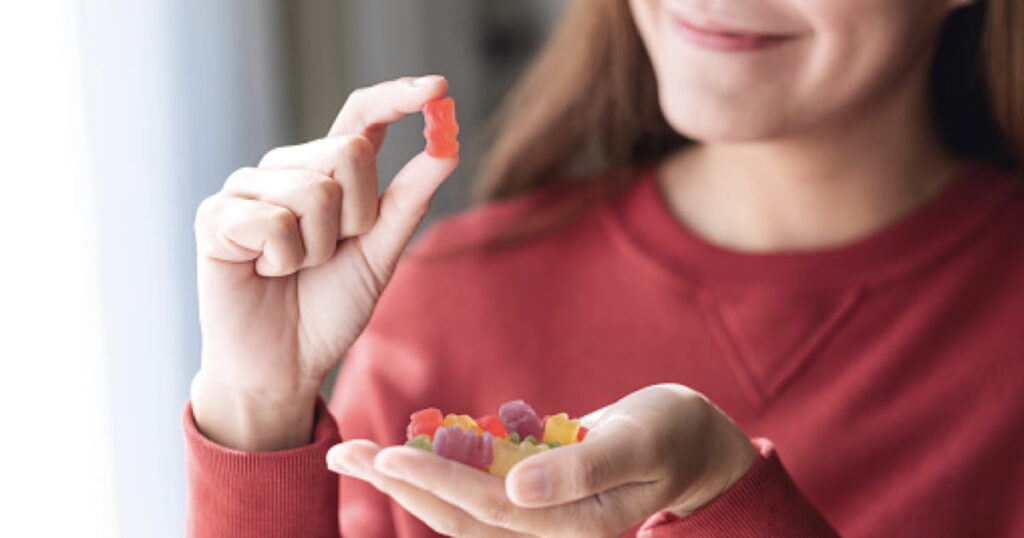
(492, 443)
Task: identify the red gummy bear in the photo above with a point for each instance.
(425, 421)
(441, 129)
(580, 435)
(492, 423)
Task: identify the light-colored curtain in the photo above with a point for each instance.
(180, 93)
(56, 463)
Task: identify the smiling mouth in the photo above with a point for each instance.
(714, 37)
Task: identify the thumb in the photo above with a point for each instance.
(402, 207)
(608, 458)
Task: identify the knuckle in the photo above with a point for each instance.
(270, 157)
(355, 147)
(325, 193)
(682, 392)
(206, 217)
(496, 513)
(682, 401)
(590, 473)
(238, 176)
(280, 222)
(356, 97)
(203, 211)
(696, 406)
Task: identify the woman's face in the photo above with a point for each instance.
(732, 70)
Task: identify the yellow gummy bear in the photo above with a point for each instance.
(507, 454)
(465, 422)
(561, 429)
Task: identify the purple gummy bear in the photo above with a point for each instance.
(464, 446)
(519, 417)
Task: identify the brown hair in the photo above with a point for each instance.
(588, 105)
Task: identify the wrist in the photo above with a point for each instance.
(253, 420)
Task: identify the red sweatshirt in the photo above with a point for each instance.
(885, 373)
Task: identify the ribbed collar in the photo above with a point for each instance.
(646, 227)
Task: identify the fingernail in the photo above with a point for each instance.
(532, 484)
(427, 80)
(340, 462)
(334, 460)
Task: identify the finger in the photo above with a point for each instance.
(314, 199)
(480, 494)
(357, 173)
(591, 420)
(351, 161)
(240, 230)
(440, 516)
(355, 458)
(483, 497)
(611, 456)
(402, 207)
(368, 111)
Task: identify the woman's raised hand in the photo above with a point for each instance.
(664, 447)
(293, 255)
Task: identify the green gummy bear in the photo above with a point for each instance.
(514, 437)
(422, 442)
(530, 439)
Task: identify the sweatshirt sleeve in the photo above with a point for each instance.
(764, 503)
(286, 494)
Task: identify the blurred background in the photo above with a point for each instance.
(118, 117)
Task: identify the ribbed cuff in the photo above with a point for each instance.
(764, 503)
(288, 493)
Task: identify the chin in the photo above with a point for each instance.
(711, 120)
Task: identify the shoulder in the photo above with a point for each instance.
(1007, 189)
(1016, 194)
(986, 262)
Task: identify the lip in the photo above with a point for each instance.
(718, 37)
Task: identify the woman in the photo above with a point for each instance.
(793, 277)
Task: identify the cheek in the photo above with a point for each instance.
(858, 40)
(866, 51)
